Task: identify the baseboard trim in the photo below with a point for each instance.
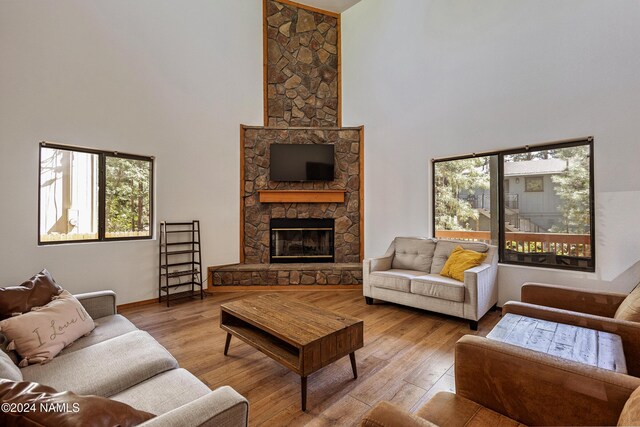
(254, 288)
(137, 303)
(282, 288)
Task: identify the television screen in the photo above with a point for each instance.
(302, 162)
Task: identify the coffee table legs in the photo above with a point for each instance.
(226, 344)
(303, 390)
(352, 356)
(303, 380)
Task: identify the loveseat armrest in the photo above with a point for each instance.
(378, 264)
(483, 270)
(537, 389)
(98, 304)
(386, 414)
(223, 407)
(582, 300)
(481, 290)
(629, 332)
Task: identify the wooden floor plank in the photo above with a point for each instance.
(398, 341)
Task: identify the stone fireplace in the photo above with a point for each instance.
(301, 240)
(299, 233)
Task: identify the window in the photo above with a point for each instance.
(534, 184)
(91, 195)
(542, 214)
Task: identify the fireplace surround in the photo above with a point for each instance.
(302, 240)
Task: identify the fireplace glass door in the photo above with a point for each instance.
(298, 240)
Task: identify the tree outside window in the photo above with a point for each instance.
(93, 195)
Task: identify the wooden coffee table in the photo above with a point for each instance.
(300, 336)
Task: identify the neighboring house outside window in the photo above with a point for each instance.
(541, 215)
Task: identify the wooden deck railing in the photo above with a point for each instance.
(558, 243)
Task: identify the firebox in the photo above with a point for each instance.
(302, 240)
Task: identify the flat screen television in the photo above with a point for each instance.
(302, 162)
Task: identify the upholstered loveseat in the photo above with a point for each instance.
(409, 274)
(119, 361)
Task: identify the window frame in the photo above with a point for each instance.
(586, 141)
(529, 179)
(102, 159)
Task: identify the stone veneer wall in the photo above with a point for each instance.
(256, 177)
(301, 67)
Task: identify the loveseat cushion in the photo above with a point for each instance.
(413, 253)
(448, 409)
(394, 279)
(105, 368)
(435, 286)
(178, 386)
(445, 247)
(106, 328)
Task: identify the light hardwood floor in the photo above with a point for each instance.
(407, 358)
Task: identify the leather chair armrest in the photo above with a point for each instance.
(629, 332)
(537, 389)
(574, 299)
(386, 414)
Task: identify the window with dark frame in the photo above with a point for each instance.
(88, 195)
(535, 203)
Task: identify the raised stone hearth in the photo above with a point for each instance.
(287, 274)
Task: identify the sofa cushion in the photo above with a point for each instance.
(44, 405)
(460, 261)
(630, 307)
(435, 286)
(445, 247)
(394, 279)
(448, 409)
(106, 328)
(41, 334)
(178, 386)
(413, 253)
(105, 368)
(8, 369)
(35, 292)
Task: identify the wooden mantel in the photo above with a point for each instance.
(301, 196)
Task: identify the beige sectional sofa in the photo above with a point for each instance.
(408, 274)
(123, 363)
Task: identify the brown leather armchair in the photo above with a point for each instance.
(501, 384)
(602, 311)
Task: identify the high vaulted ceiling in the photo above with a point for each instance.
(337, 6)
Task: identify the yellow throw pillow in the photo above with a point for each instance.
(461, 260)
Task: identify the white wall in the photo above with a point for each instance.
(171, 79)
(435, 78)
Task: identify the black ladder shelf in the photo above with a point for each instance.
(180, 260)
